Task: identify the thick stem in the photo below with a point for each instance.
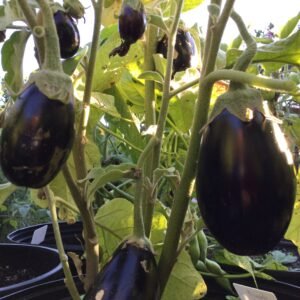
(150, 119)
(32, 22)
(91, 240)
(51, 43)
(182, 194)
(59, 244)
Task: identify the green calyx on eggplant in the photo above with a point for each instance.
(68, 34)
(132, 25)
(185, 50)
(245, 182)
(74, 8)
(131, 274)
(36, 139)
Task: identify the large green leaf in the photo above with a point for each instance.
(115, 223)
(289, 26)
(191, 4)
(70, 65)
(185, 281)
(12, 60)
(285, 51)
(109, 69)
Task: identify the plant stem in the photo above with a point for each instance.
(247, 56)
(182, 194)
(51, 43)
(90, 234)
(31, 20)
(59, 244)
(80, 139)
(150, 119)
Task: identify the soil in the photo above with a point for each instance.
(10, 275)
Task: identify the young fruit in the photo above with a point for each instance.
(132, 25)
(36, 139)
(245, 182)
(68, 34)
(131, 274)
(185, 50)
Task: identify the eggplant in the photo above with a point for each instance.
(245, 182)
(68, 34)
(185, 50)
(131, 274)
(132, 25)
(2, 35)
(36, 139)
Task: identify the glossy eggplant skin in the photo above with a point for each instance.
(245, 183)
(131, 274)
(36, 139)
(132, 23)
(68, 34)
(184, 47)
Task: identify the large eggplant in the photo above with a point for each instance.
(131, 274)
(245, 182)
(36, 139)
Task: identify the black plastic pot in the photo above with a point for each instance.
(46, 291)
(43, 263)
(282, 290)
(71, 236)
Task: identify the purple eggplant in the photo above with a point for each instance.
(185, 49)
(68, 34)
(131, 274)
(132, 25)
(36, 139)
(245, 183)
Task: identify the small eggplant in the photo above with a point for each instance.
(36, 139)
(245, 182)
(2, 35)
(132, 25)
(185, 49)
(68, 34)
(131, 274)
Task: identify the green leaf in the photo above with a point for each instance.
(293, 232)
(102, 176)
(243, 262)
(105, 103)
(115, 223)
(160, 63)
(12, 60)
(70, 65)
(185, 281)
(157, 21)
(152, 75)
(10, 12)
(6, 189)
(285, 51)
(110, 69)
(191, 4)
(289, 26)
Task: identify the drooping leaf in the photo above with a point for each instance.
(285, 51)
(185, 281)
(12, 60)
(105, 103)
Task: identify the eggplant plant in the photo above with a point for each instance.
(152, 153)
